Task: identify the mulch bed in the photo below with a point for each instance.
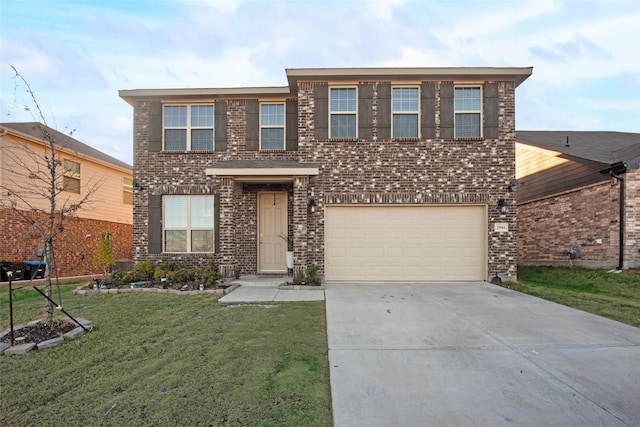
(41, 332)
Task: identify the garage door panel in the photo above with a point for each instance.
(405, 242)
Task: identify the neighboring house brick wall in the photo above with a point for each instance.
(74, 246)
(632, 220)
(550, 226)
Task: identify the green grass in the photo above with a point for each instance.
(615, 296)
(221, 365)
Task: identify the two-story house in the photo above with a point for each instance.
(383, 174)
(83, 172)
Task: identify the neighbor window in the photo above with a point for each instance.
(188, 223)
(127, 191)
(71, 178)
(342, 112)
(272, 127)
(404, 102)
(188, 127)
(468, 109)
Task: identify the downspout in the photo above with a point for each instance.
(622, 204)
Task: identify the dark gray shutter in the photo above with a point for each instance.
(365, 111)
(446, 111)
(321, 121)
(253, 125)
(428, 107)
(491, 113)
(292, 125)
(154, 227)
(220, 139)
(384, 111)
(216, 215)
(155, 126)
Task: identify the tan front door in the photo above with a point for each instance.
(272, 224)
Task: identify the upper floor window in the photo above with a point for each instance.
(405, 110)
(272, 127)
(71, 177)
(188, 223)
(468, 111)
(127, 191)
(343, 112)
(188, 127)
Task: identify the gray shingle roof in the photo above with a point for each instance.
(35, 130)
(602, 147)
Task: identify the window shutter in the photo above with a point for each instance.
(220, 139)
(365, 111)
(154, 237)
(292, 125)
(321, 121)
(428, 107)
(384, 111)
(253, 125)
(155, 126)
(216, 216)
(446, 111)
(491, 111)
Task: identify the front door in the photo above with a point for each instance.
(272, 227)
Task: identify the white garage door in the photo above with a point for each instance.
(405, 243)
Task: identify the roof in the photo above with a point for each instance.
(34, 130)
(603, 147)
(518, 75)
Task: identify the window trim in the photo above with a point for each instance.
(479, 112)
(331, 113)
(283, 126)
(188, 229)
(406, 112)
(71, 175)
(188, 128)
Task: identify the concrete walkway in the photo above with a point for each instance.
(266, 288)
(474, 354)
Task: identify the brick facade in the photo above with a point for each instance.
(416, 171)
(75, 243)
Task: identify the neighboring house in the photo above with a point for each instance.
(575, 190)
(110, 208)
(394, 174)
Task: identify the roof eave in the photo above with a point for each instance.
(132, 95)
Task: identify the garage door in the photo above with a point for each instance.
(405, 243)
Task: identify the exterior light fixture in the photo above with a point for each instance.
(512, 184)
(502, 203)
(136, 184)
(312, 206)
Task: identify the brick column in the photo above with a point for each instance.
(227, 234)
(300, 200)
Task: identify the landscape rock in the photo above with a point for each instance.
(54, 342)
(21, 349)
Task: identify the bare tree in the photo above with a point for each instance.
(38, 183)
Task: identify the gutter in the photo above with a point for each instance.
(616, 171)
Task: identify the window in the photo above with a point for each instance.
(467, 104)
(188, 223)
(342, 112)
(71, 178)
(404, 104)
(272, 127)
(127, 191)
(188, 127)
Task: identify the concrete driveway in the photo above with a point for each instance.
(475, 354)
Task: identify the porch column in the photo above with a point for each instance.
(226, 228)
(300, 200)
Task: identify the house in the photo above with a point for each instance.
(388, 174)
(578, 198)
(109, 208)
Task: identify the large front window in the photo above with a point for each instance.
(188, 127)
(272, 127)
(343, 112)
(468, 110)
(405, 101)
(188, 223)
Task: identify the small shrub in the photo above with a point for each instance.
(298, 278)
(312, 277)
(134, 276)
(147, 269)
(159, 274)
(118, 277)
(209, 274)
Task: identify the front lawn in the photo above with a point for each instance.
(616, 296)
(157, 359)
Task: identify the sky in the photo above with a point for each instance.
(77, 54)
